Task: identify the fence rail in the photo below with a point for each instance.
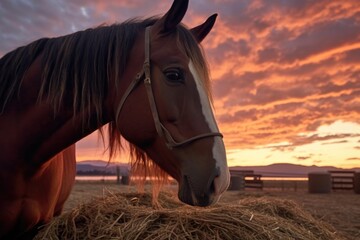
(342, 180)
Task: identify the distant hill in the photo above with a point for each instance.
(100, 167)
(288, 169)
(101, 163)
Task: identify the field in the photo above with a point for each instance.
(340, 209)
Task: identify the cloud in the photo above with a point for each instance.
(297, 141)
(232, 85)
(228, 49)
(317, 162)
(268, 55)
(302, 158)
(336, 142)
(320, 38)
(25, 21)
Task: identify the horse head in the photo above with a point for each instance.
(166, 110)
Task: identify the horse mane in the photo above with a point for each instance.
(81, 65)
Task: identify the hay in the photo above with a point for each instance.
(131, 216)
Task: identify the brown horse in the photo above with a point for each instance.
(54, 92)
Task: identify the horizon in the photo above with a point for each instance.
(285, 74)
(102, 161)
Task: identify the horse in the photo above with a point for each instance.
(147, 79)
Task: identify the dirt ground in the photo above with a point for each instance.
(340, 209)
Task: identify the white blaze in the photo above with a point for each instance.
(218, 150)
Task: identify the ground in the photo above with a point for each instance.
(340, 209)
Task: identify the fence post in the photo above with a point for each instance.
(117, 174)
(357, 182)
(319, 182)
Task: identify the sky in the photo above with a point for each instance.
(285, 73)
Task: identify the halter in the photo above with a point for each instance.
(160, 128)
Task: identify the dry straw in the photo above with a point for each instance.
(131, 216)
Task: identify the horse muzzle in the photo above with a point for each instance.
(195, 192)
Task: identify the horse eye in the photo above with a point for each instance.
(174, 76)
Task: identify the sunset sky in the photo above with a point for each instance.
(285, 73)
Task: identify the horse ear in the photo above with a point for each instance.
(201, 31)
(173, 17)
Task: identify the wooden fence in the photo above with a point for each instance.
(342, 180)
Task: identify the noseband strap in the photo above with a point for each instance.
(160, 128)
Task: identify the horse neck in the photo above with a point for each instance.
(44, 133)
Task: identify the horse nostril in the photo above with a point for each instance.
(216, 175)
(212, 186)
(221, 182)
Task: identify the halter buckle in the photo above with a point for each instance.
(147, 80)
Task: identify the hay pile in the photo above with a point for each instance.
(130, 216)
